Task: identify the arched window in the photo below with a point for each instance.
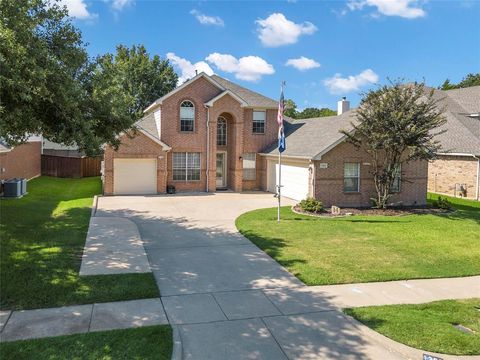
(221, 131)
(187, 116)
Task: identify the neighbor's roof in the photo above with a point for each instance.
(148, 126)
(246, 97)
(311, 138)
(462, 134)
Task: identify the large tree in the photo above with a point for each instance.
(396, 123)
(467, 81)
(308, 113)
(49, 86)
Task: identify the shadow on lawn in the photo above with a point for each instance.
(41, 251)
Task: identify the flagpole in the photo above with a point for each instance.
(280, 165)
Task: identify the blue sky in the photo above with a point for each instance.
(322, 49)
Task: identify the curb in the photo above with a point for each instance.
(177, 352)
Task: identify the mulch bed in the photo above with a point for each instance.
(393, 211)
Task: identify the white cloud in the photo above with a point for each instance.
(339, 85)
(248, 68)
(119, 5)
(302, 63)
(206, 19)
(409, 9)
(187, 69)
(276, 30)
(78, 9)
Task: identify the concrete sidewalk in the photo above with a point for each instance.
(29, 324)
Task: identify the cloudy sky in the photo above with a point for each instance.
(322, 49)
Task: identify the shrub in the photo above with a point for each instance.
(311, 205)
(443, 203)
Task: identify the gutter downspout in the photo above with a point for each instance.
(478, 178)
(208, 145)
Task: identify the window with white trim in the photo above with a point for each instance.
(249, 166)
(259, 118)
(187, 116)
(351, 177)
(221, 131)
(186, 166)
(397, 181)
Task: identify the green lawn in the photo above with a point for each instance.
(153, 342)
(41, 243)
(369, 248)
(427, 326)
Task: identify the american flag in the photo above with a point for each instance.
(281, 133)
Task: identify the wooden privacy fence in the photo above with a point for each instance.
(70, 167)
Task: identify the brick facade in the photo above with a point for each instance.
(329, 182)
(240, 140)
(23, 161)
(446, 172)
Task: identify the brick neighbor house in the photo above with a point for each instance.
(22, 161)
(456, 171)
(210, 134)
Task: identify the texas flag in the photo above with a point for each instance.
(281, 132)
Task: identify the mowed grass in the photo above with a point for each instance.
(41, 243)
(369, 248)
(427, 326)
(153, 342)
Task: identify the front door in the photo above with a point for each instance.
(221, 169)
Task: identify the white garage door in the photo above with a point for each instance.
(294, 179)
(134, 176)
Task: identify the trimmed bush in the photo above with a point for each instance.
(311, 205)
(443, 203)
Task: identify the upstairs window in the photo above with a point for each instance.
(187, 116)
(221, 131)
(259, 118)
(351, 177)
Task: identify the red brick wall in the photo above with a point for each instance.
(446, 171)
(23, 161)
(329, 181)
(139, 146)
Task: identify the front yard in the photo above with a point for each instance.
(427, 326)
(149, 343)
(42, 237)
(353, 249)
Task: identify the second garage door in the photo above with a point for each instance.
(294, 179)
(134, 176)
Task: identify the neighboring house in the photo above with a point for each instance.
(22, 161)
(210, 134)
(456, 171)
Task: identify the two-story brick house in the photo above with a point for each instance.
(210, 134)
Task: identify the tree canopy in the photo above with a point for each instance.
(467, 81)
(396, 124)
(49, 86)
(307, 113)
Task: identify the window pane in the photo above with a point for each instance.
(351, 169)
(179, 174)
(187, 113)
(221, 132)
(259, 115)
(186, 125)
(187, 116)
(179, 160)
(258, 127)
(249, 161)
(350, 184)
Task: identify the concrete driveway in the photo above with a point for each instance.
(225, 297)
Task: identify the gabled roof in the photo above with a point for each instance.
(462, 134)
(246, 97)
(148, 127)
(251, 98)
(222, 94)
(312, 138)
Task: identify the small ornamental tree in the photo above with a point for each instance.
(396, 123)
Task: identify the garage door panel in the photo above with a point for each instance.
(135, 176)
(294, 179)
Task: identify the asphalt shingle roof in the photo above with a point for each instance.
(462, 132)
(310, 138)
(251, 98)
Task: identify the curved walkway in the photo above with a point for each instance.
(227, 299)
